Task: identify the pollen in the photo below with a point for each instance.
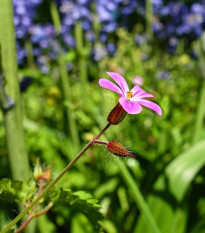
(129, 95)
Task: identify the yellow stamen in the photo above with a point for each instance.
(129, 95)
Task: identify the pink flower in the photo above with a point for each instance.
(131, 101)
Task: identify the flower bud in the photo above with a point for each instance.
(117, 149)
(38, 171)
(116, 115)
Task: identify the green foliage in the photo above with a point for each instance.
(183, 169)
(79, 201)
(170, 188)
(17, 191)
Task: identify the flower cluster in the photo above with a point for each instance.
(99, 19)
(177, 20)
(45, 44)
(107, 14)
(42, 37)
(24, 13)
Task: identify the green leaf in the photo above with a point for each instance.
(184, 168)
(80, 201)
(16, 190)
(170, 189)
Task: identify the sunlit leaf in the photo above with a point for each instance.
(15, 190)
(184, 168)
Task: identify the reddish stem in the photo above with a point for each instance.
(101, 142)
(102, 132)
(46, 209)
(27, 221)
(24, 224)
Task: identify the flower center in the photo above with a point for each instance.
(129, 95)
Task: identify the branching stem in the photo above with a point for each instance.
(48, 188)
(30, 217)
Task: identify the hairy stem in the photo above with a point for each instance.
(48, 188)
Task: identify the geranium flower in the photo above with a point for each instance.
(131, 101)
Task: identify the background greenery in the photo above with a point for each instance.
(63, 109)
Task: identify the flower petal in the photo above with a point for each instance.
(129, 106)
(136, 89)
(109, 85)
(139, 93)
(151, 105)
(119, 80)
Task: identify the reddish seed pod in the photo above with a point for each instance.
(117, 149)
(116, 115)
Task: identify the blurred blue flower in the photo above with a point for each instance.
(178, 20)
(103, 13)
(163, 75)
(90, 36)
(172, 45)
(24, 12)
(128, 7)
(21, 53)
(109, 27)
(141, 39)
(171, 21)
(111, 48)
(103, 37)
(98, 52)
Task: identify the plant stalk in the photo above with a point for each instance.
(30, 217)
(148, 17)
(81, 60)
(30, 57)
(48, 188)
(25, 223)
(66, 87)
(101, 142)
(17, 153)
